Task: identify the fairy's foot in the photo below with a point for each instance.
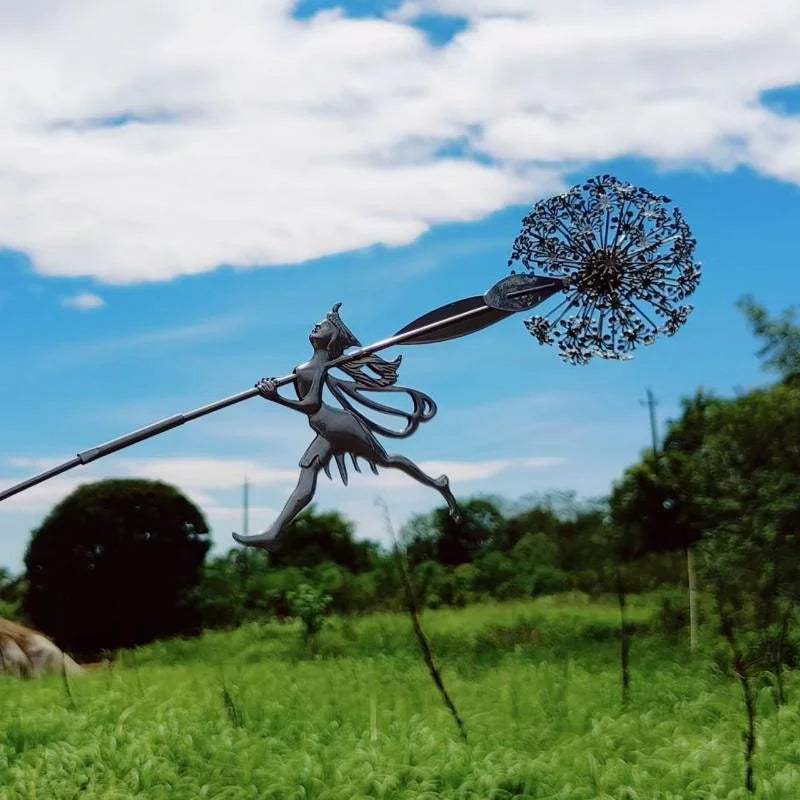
(266, 540)
(443, 482)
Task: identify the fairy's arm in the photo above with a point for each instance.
(309, 404)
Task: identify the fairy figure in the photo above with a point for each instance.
(345, 430)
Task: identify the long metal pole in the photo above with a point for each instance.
(535, 290)
(93, 453)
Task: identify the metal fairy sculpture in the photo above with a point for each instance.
(622, 260)
(347, 430)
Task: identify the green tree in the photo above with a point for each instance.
(12, 591)
(729, 474)
(654, 503)
(312, 538)
(114, 565)
(536, 558)
(435, 536)
(223, 593)
(747, 486)
(574, 526)
(429, 579)
(780, 338)
(496, 575)
(310, 605)
(538, 519)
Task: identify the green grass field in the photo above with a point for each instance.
(252, 714)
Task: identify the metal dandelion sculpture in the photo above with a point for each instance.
(627, 263)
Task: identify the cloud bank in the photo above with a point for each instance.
(139, 142)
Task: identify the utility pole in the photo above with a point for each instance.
(651, 404)
(245, 555)
(246, 509)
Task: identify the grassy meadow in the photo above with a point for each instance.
(253, 713)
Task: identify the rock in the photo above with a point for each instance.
(26, 653)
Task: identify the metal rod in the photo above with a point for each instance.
(522, 292)
(50, 473)
(93, 453)
(399, 338)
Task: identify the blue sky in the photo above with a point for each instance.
(175, 223)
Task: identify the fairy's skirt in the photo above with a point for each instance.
(340, 432)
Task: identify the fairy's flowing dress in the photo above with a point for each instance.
(348, 430)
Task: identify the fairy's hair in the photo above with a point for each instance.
(344, 337)
(384, 372)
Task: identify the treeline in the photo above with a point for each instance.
(120, 562)
(500, 550)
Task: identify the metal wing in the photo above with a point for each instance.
(351, 394)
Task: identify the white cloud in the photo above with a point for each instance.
(144, 142)
(478, 470)
(215, 484)
(236, 513)
(223, 520)
(208, 474)
(42, 497)
(462, 472)
(205, 480)
(83, 301)
(216, 474)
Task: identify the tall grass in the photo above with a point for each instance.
(537, 683)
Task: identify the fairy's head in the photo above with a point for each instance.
(332, 334)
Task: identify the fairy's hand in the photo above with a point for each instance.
(267, 387)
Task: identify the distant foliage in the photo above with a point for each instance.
(779, 337)
(313, 537)
(542, 545)
(12, 591)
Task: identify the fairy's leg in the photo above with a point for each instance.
(315, 458)
(441, 484)
(299, 499)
